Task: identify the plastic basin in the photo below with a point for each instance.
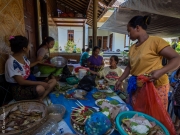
(130, 114)
(56, 112)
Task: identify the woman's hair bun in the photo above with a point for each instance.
(147, 20)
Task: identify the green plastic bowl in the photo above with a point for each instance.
(72, 80)
(130, 114)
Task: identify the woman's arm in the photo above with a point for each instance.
(21, 81)
(172, 57)
(40, 58)
(35, 63)
(102, 64)
(94, 73)
(173, 63)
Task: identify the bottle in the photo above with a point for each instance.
(74, 51)
(49, 128)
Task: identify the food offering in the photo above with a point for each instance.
(99, 95)
(139, 125)
(21, 117)
(62, 89)
(99, 102)
(79, 116)
(102, 85)
(77, 94)
(103, 95)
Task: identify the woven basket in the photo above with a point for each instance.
(25, 105)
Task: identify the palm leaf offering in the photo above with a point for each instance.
(61, 89)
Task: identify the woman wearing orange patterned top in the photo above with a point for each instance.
(146, 57)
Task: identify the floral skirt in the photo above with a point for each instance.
(24, 92)
(163, 94)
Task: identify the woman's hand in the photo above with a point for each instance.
(45, 85)
(155, 75)
(118, 85)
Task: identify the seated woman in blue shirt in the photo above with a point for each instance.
(84, 57)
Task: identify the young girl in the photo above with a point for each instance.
(17, 73)
(176, 99)
(43, 53)
(111, 73)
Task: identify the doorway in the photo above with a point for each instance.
(110, 41)
(105, 42)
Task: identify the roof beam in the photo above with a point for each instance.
(71, 6)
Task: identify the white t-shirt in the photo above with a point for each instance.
(13, 67)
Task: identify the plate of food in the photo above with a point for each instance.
(100, 101)
(99, 95)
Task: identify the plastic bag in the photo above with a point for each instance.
(87, 83)
(147, 100)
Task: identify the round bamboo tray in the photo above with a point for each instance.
(25, 105)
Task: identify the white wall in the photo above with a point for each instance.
(99, 32)
(86, 34)
(118, 41)
(78, 36)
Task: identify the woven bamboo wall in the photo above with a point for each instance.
(11, 24)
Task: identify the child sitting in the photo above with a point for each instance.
(111, 73)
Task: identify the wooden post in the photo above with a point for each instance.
(84, 27)
(95, 9)
(44, 19)
(37, 23)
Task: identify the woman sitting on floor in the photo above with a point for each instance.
(43, 54)
(17, 73)
(84, 57)
(110, 73)
(95, 62)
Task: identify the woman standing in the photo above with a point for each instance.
(17, 73)
(95, 62)
(146, 57)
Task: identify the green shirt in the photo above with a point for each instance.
(84, 57)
